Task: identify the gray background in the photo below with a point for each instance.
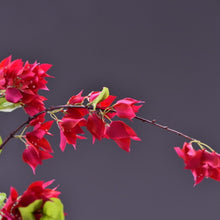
(163, 52)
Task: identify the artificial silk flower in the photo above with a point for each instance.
(122, 134)
(201, 162)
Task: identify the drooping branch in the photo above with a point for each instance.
(52, 108)
(153, 122)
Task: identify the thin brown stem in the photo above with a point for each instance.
(153, 122)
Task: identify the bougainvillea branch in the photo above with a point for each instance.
(152, 122)
(61, 108)
(97, 112)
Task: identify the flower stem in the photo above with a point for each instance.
(153, 122)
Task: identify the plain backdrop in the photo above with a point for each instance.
(163, 52)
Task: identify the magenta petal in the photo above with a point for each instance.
(46, 184)
(62, 141)
(13, 95)
(124, 143)
(122, 134)
(96, 126)
(45, 155)
(124, 111)
(31, 157)
(119, 130)
(45, 66)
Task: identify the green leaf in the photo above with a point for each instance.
(101, 97)
(27, 212)
(6, 106)
(53, 210)
(2, 199)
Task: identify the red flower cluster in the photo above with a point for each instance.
(201, 162)
(37, 146)
(36, 192)
(20, 83)
(97, 120)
